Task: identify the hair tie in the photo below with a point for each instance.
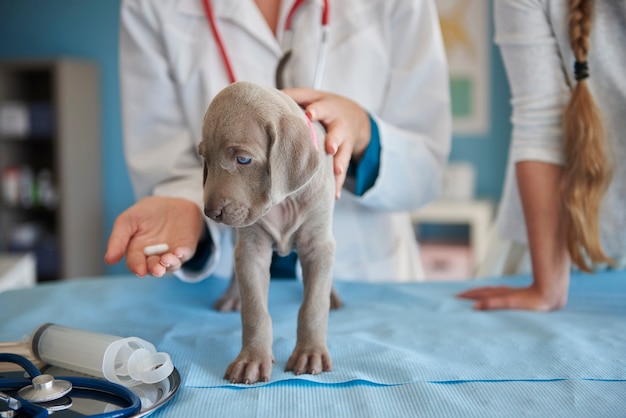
(581, 70)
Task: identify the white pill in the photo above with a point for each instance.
(156, 249)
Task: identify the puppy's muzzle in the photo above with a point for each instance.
(216, 214)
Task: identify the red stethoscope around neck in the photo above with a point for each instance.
(321, 55)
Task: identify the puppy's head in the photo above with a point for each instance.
(257, 148)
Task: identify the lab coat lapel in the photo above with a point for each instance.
(243, 13)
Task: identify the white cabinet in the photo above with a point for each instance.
(450, 259)
(17, 271)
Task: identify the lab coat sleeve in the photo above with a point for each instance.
(539, 92)
(415, 120)
(160, 149)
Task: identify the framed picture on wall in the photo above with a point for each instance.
(465, 27)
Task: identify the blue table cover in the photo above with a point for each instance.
(399, 350)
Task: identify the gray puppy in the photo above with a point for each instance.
(266, 174)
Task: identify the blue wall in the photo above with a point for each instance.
(88, 29)
(489, 152)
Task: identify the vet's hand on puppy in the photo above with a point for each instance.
(347, 125)
(152, 220)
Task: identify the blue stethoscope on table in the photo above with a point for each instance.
(41, 393)
(287, 44)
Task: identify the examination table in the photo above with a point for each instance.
(398, 350)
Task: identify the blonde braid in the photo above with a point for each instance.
(587, 172)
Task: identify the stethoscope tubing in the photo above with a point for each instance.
(321, 56)
(218, 39)
(114, 389)
(296, 6)
(87, 384)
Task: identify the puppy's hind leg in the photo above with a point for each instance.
(230, 300)
(335, 300)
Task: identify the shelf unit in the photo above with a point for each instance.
(50, 166)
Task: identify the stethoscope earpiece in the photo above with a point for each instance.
(280, 68)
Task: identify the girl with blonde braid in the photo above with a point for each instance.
(565, 63)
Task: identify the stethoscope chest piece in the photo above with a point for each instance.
(45, 388)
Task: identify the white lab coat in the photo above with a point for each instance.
(387, 55)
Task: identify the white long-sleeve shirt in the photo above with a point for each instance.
(534, 42)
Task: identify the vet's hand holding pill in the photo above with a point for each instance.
(153, 237)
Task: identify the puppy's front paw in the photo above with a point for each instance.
(313, 360)
(248, 368)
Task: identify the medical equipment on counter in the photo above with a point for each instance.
(42, 393)
(287, 43)
(63, 351)
(126, 361)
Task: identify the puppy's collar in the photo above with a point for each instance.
(313, 135)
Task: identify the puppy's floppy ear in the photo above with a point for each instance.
(204, 164)
(293, 157)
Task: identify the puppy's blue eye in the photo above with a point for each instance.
(244, 160)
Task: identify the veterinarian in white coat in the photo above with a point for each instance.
(387, 56)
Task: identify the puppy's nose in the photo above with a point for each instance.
(215, 214)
